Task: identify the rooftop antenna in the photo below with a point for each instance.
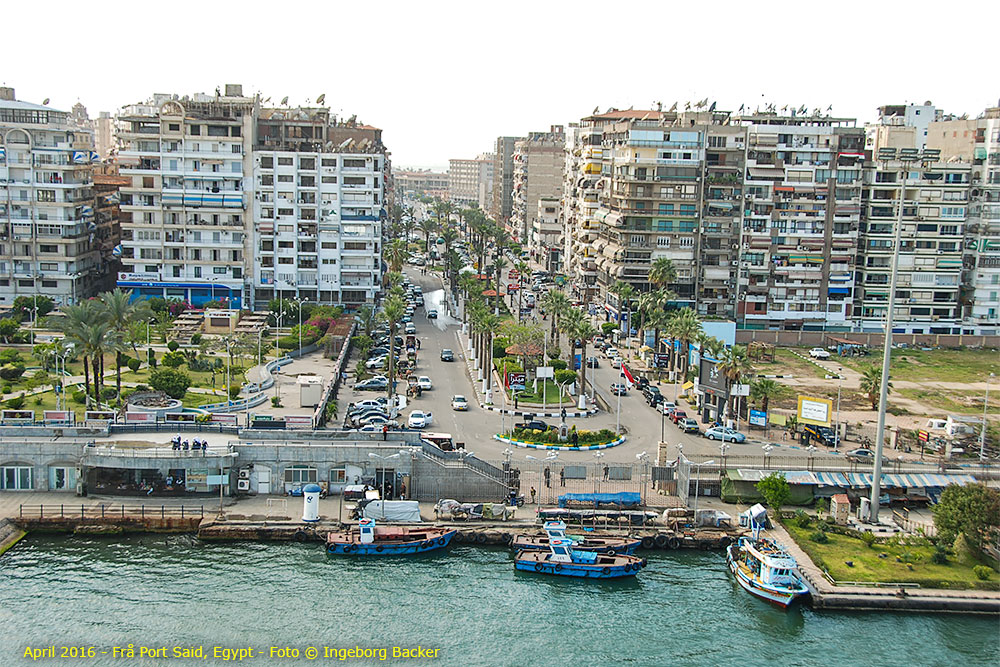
(674, 107)
(267, 100)
(284, 100)
(597, 110)
(321, 98)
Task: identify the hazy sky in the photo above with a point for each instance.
(444, 79)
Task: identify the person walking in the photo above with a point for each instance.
(385, 432)
(575, 437)
(532, 495)
(562, 476)
(548, 477)
(607, 472)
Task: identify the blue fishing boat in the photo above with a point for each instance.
(372, 540)
(557, 530)
(562, 560)
(762, 567)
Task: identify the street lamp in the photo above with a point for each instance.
(906, 158)
(767, 454)
(373, 455)
(300, 326)
(697, 480)
(982, 432)
(723, 448)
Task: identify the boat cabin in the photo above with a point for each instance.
(367, 530)
(556, 530)
(770, 563)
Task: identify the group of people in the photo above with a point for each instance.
(177, 444)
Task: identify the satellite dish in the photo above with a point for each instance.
(45, 101)
(321, 99)
(284, 100)
(343, 145)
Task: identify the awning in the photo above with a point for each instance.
(839, 290)
(767, 172)
(913, 480)
(687, 385)
(830, 479)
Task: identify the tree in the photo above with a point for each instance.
(662, 272)
(396, 254)
(392, 312)
(762, 391)
(684, 326)
(871, 384)
(172, 382)
(649, 304)
(625, 293)
(367, 319)
(971, 510)
(8, 327)
(735, 365)
(556, 305)
(775, 490)
(25, 306)
(428, 226)
(120, 312)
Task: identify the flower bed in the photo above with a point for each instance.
(533, 439)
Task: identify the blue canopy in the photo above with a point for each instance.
(625, 499)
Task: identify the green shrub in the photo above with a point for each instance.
(10, 356)
(552, 437)
(173, 359)
(15, 403)
(6, 388)
(172, 382)
(11, 371)
(819, 537)
(276, 401)
(38, 399)
(565, 375)
(234, 392)
(558, 364)
(141, 388)
(940, 555)
(982, 572)
(868, 538)
(608, 327)
(151, 358)
(802, 520)
(195, 339)
(173, 345)
(134, 364)
(79, 397)
(107, 393)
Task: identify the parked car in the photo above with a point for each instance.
(677, 415)
(592, 362)
(689, 426)
(406, 318)
(619, 389)
(410, 329)
(376, 362)
(432, 314)
(652, 394)
(616, 362)
(533, 425)
(419, 300)
(667, 407)
(459, 403)
(379, 402)
(424, 383)
(419, 419)
(373, 384)
(378, 421)
(725, 434)
(863, 455)
(824, 434)
(611, 352)
(447, 355)
(819, 353)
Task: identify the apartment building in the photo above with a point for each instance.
(470, 182)
(318, 208)
(977, 142)
(421, 182)
(545, 235)
(503, 180)
(50, 235)
(184, 216)
(538, 173)
(801, 215)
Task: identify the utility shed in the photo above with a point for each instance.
(840, 508)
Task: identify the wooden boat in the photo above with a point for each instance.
(562, 560)
(557, 529)
(372, 540)
(765, 570)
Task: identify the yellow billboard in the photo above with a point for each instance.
(815, 411)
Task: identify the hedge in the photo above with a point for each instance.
(551, 437)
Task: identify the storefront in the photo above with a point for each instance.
(17, 477)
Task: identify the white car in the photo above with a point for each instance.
(611, 352)
(616, 362)
(419, 419)
(424, 383)
(459, 403)
(819, 353)
(376, 362)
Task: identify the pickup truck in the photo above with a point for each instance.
(533, 425)
(819, 353)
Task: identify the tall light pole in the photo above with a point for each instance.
(907, 157)
(300, 326)
(982, 432)
(697, 480)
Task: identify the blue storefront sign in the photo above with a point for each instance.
(758, 418)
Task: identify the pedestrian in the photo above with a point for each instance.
(385, 432)
(515, 401)
(402, 491)
(548, 477)
(562, 476)
(607, 472)
(532, 495)
(576, 437)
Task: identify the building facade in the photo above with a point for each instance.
(539, 161)
(50, 235)
(470, 182)
(503, 180)
(414, 182)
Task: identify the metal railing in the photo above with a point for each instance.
(109, 511)
(154, 452)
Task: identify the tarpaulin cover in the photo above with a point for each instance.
(625, 498)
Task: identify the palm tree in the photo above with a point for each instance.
(735, 365)
(449, 234)
(685, 326)
(522, 270)
(396, 254)
(583, 331)
(762, 391)
(392, 312)
(662, 272)
(489, 324)
(498, 265)
(75, 327)
(428, 226)
(871, 384)
(625, 293)
(568, 324)
(649, 303)
(711, 346)
(556, 305)
(119, 311)
(367, 319)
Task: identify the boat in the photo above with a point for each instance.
(762, 567)
(372, 540)
(562, 560)
(557, 529)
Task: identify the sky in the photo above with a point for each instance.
(444, 79)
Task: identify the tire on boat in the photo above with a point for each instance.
(508, 539)
(539, 567)
(440, 541)
(605, 570)
(558, 567)
(427, 544)
(332, 549)
(347, 548)
(301, 536)
(725, 541)
(460, 537)
(673, 543)
(648, 542)
(380, 548)
(661, 540)
(482, 538)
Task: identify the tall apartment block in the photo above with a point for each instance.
(801, 215)
(50, 234)
(579, 204)
(977, 141)
(318, 208)
(184, 216)
(421, 182)
(503, 180)
(470, 182)
(539, 161)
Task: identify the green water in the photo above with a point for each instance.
(470, 603)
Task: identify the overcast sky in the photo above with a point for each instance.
(444, 79)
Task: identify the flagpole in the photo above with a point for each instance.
(618, 418)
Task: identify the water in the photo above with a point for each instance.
(470, 603)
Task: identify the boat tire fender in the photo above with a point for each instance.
(333, 549)
(612, 552)
(481, 538)
(347, 548)
(440, 541)
(539, 567)
(725, 541)
(605, 571)
(661, 541)
(673, 543)
(647, 542)
(558, 567)
(427, 545)
(380, 548)
(301, 536)
(508, 539)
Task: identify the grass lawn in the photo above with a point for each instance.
(786, 363)
(936, 365)
(956, 573)
(947, 400)
(550, 389)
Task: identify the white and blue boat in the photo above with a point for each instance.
(763, 568)
(372, 540)
(557, 530)
(562, 560)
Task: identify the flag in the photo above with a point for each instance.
(628, 376)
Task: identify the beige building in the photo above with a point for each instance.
(470, 182)
(539, 161)
(420, 182)
(501, 201)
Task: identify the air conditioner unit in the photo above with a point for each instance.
(244, 474)
(243, 485)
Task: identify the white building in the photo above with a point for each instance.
(471, 181)
(48, 243)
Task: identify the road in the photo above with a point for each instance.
(477, 427)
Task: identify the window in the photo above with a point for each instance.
(267, 179)
(663, 242)
(953, 212)
(285, 178)
(195, 130)
(267, 162)
(300, 475)
(687, 242)
(49, 283)
(45, 195)
(17, 478)
(284, 162)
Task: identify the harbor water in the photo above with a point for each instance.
(469, 603)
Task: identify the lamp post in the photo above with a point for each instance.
(982, 431)
(697, 480)
(767, 454)
(300, 326)
(907, 157)
(643, 459)
(840, 386)
(373, 455)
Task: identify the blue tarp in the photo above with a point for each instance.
(623, 499)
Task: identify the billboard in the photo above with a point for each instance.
(516, 381)
(758, 418)
(815, 411)
(710, 378)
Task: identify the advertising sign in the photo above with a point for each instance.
(131, 277)
(662, 360)
(710, 378)
(140, 417)
(99, 416)
(923, 436)
(815, 411)
(516, 381)
(758, 418)
(542, 372)
(18, 415)
(57, 416)
(222, 418)
(298, 421)
(180, 417)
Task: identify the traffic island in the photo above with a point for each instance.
(586, 440)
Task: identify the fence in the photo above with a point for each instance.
(109, 511)
(187, 427)
(902, 519)
(333, 386)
